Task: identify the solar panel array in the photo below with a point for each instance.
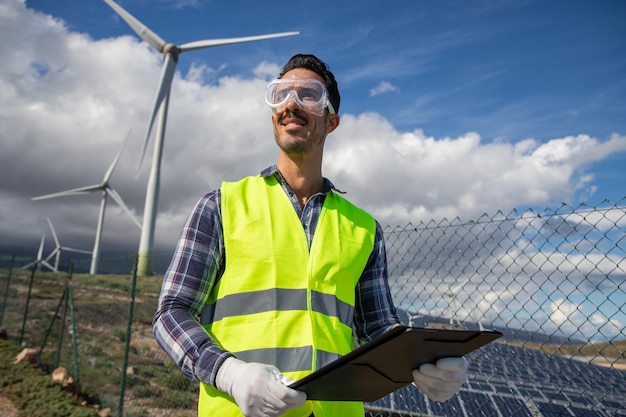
(509, 381)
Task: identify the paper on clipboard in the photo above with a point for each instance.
(384, 365)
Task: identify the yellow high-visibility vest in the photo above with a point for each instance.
(279, 302)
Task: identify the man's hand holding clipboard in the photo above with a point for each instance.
(387, 363)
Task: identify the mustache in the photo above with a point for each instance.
(292, 115)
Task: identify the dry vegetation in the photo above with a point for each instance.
(611, 355)
(101, 305)
(154, 386)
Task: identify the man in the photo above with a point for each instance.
(272, 273)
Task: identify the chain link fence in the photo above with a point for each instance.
(553, 282)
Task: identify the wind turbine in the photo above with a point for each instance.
(40, 261)
(170, 59)
(56, 252)
(106, 190)
(452, 294)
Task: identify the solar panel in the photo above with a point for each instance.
(613, 404)
(553, 410)
(585, 412)
(481, 386)
(505, 380)
(385, 402)
(451, 407)
(502, 389)
(411, 398)
(557, 396)
(512, 407)
(581, 399)
(477, 404)
(531, 393)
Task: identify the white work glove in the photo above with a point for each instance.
(443, 379)
(258, 389)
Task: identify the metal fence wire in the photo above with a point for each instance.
(553, 282)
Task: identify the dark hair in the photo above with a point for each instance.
(313, 63)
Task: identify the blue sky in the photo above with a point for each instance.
(505, 69)
(449, 108)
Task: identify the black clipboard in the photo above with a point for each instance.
(384, 365)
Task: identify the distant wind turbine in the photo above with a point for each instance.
(170, 58)
(106, 190)
(56, 252)
(40, 261)
(452, 293)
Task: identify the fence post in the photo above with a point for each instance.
(73, 321)
(120, 410)
(30, 289)
(49, 330)
(6, 290)
(66, 293)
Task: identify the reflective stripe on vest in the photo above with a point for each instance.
(281, 299)
(279, 302)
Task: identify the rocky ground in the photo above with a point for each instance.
(7, 409)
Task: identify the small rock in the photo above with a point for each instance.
(105, 412)
(62, 377)
(27, 355)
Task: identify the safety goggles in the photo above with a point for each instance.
(309, 94)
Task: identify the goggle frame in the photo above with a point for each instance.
(298, 83)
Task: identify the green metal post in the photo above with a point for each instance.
(6, 290)
(120, 410)
(30, 289)
(62, 329)
(49, 329)
(73, 323)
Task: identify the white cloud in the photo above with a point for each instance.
(580, 322)
(267, 70)
(383, 87)
(420, 176)
(67, 102)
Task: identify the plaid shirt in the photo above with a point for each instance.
(198, 263)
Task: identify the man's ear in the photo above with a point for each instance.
(332, 121)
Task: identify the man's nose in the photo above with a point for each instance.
(292, 101)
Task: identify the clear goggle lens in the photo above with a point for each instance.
(309, 94)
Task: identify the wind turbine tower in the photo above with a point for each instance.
(170, 53)
(452, 294)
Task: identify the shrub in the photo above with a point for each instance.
(32, 391)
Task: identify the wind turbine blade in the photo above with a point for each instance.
(140, 29)
(80, 190)
(47, 265)
(54, 252)
(107, 175)
(39, 254)
(54, 233)
(29, 265)
(208, 43)
(118, 199)
(165, 83)
(40, 251)
(76, 250)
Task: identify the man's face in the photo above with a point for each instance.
(298, 131)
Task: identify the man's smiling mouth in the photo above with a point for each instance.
(291, 120)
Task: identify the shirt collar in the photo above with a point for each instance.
(273, 170)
